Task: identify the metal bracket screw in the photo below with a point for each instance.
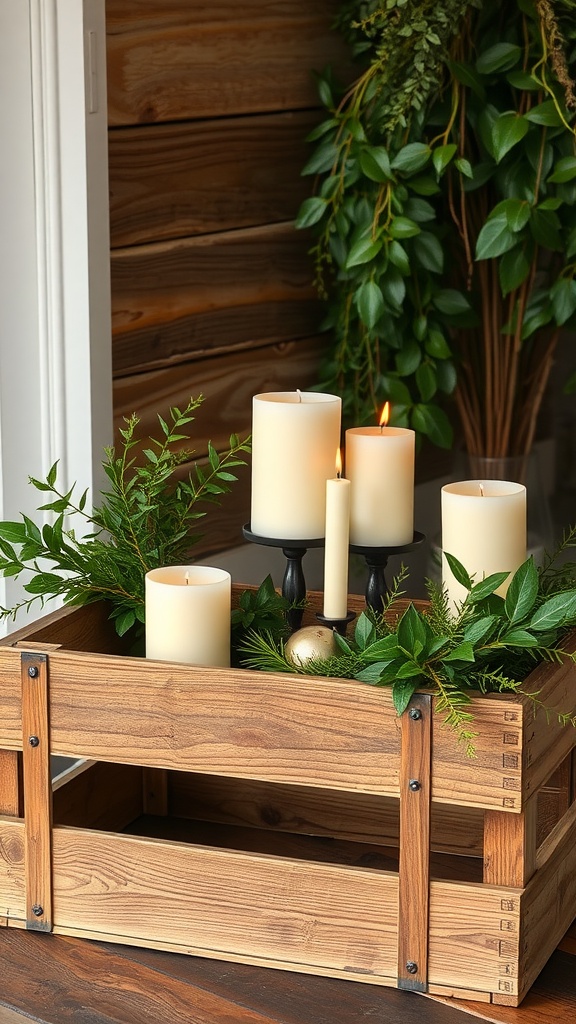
(411, 967)
(37, 910)
(415, 714)
(414, 785)
(33, 671)
(33, 741)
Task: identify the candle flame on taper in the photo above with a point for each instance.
(385, 415)
(338, 463)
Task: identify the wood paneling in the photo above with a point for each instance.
(174, 180)
(173, 60)
(173, 299)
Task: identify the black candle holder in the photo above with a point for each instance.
(376, 561)
(340, 625)
(293, 584)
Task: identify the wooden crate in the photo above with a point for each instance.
(293, 822)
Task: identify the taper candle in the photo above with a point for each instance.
(336, 545)
(188, 610)
(484, 527)
(294, 437)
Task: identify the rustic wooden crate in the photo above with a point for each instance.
(270, 818)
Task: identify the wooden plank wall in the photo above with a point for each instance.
(210, 102)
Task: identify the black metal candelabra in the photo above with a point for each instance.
(376, 561)
(294, 583)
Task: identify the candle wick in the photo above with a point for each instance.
(187, 578)
(299, 393)
(481, 490)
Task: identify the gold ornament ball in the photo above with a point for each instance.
(309, 643)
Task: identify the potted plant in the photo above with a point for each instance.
(444, 213)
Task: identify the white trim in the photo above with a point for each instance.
(55, 336)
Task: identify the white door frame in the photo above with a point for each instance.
(55, 334)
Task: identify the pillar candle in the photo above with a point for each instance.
(188, 610)
(380, 467)
(294, 437)
(484, 527)
(336, 546)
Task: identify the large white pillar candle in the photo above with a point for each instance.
(380, 467)
(188, 610)
(294, 437)
(484, 527)
(336, 546)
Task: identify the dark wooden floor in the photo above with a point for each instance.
(59, 980)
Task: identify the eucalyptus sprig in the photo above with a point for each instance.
(489, 645)
(147, 518)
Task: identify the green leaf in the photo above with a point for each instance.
(411, 629)
(408, 670)
(14, 533)
(500, 57)
(564, 170)
(451, 302)
(555, 611)
(464, 166)
(399, 257)
(507, 132)
(426, 381)
(412, 158)
(458, 571)
(51, 478)
(370, 303)
(442, 155)
(44, 583)
(310, 212)
(375, 163)
(322, 158)
(513, 269)
(402, 693)
(408, 358)
(495, 237)
(544, 114)
(563, 297)
(429, 252)
(522, 80)
(522, 592)
(403, 227)
(124, 621)
(467, 76)
(519, 638)
(362, 251)
(487, 586)
(372, 673)
(393, 287)
(480, 628)
(433, 421)
(462, 652)
(385, 649)
(544, 225)
(437, 346)
(364, 632)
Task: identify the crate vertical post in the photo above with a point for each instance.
(414, 853)
(37, 791)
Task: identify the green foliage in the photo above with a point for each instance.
(262, 611)
(490, 645)
(445, 213)
(147, 518)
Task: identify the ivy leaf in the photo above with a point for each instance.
(375, 163)
(564, 170)
(442, 156)
(399, 257)
(403, 227)
(522, 592)
(433, 421)
(507, 132)
(495, 238)
(412, 158)
(311, 211)
(500, 57)
(402, 693)
(362, 251)
(426, 381)
(429, 252)
(513, 269)
(555, 611)
(370, 303)
(544, 114)
(563, 297)
(451, 302)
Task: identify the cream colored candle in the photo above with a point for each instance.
(188, 614)
(336, 545)
(294, 437)
(484, 527)
(380, 467)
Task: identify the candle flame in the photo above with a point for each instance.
(385, 416)
(338, 463)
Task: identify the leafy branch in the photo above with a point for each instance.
(489, 645)
(146, 518)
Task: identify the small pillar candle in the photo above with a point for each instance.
(188, 609)
(336, 545)
(380, 467)
(484, 527)
(294, 437)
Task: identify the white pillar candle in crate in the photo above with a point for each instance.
(484, 527)
(188, 610)
(380, 467)
(294, 437)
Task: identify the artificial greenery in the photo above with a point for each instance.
(445, 213)
(147, 518)
(489, 645)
